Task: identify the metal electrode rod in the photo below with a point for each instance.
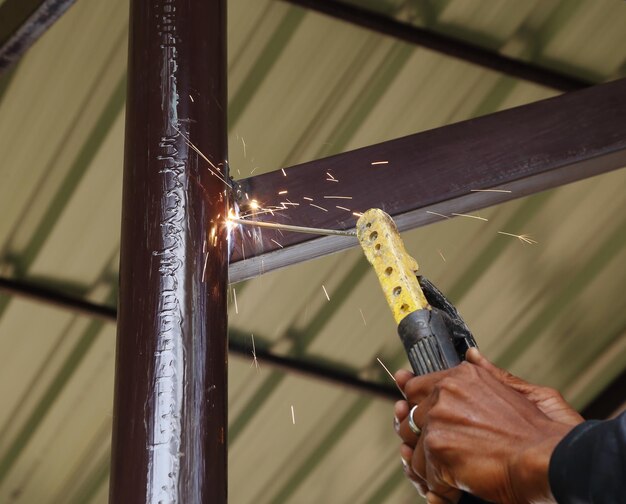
(295, 229)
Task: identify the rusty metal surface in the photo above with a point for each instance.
(170, 430)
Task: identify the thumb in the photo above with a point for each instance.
(433, 498)
(475, 357)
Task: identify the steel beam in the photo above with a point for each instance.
(444, 44)
(523, 150)
(22, 22)
(39, 294)
(170, 412)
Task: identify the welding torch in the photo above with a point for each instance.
(433, 333)
(431, 329)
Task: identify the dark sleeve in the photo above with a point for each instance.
(589, 464)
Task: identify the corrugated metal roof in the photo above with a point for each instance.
(302, 86)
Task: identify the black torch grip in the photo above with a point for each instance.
(430, 347)
(428, 342)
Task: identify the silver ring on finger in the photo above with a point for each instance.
(414, 428)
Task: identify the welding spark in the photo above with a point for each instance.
(206, 260)
(471, 216)
(272, 239)
(362, 316)
(191, 98)
(317, 206)
(282, 192)
(523, 237)
(235, 298)
(438, 214)
(244, 146)
(217, 170)
(307, 198)
(379, 162)
(293, 416)
(337, 197)
(357, 214)
(255, 361)
(391, 376)
(491, 190)
(283, 170)
(326, 292)
(442, 256)
(343, 208)
(254, 169)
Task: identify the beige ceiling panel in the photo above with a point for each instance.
(599, 374)
(532, 273)
(37, 338)
(89, 468)
(498, 21)
(88, 233)
(574, 340)
(68, 426)
(244, 377)
(38, 378)
(43, 128)
(368, 447)
(250, 27)
(593, 38)
(272, 441)
(347, 338)
(332, 122)
(313, 72)
(525, 92)
(426, 94)
(404, 493)
(271, 304)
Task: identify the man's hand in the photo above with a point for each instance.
(483, 430)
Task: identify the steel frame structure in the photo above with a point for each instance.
(170, 399)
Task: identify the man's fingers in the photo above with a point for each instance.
(419, 416)
(420, 387)
(406, 454)
(402, 376)
(433, 498)
(440, 488)
(475, 357)
(400, 412)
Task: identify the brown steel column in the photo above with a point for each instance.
(169, 430)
